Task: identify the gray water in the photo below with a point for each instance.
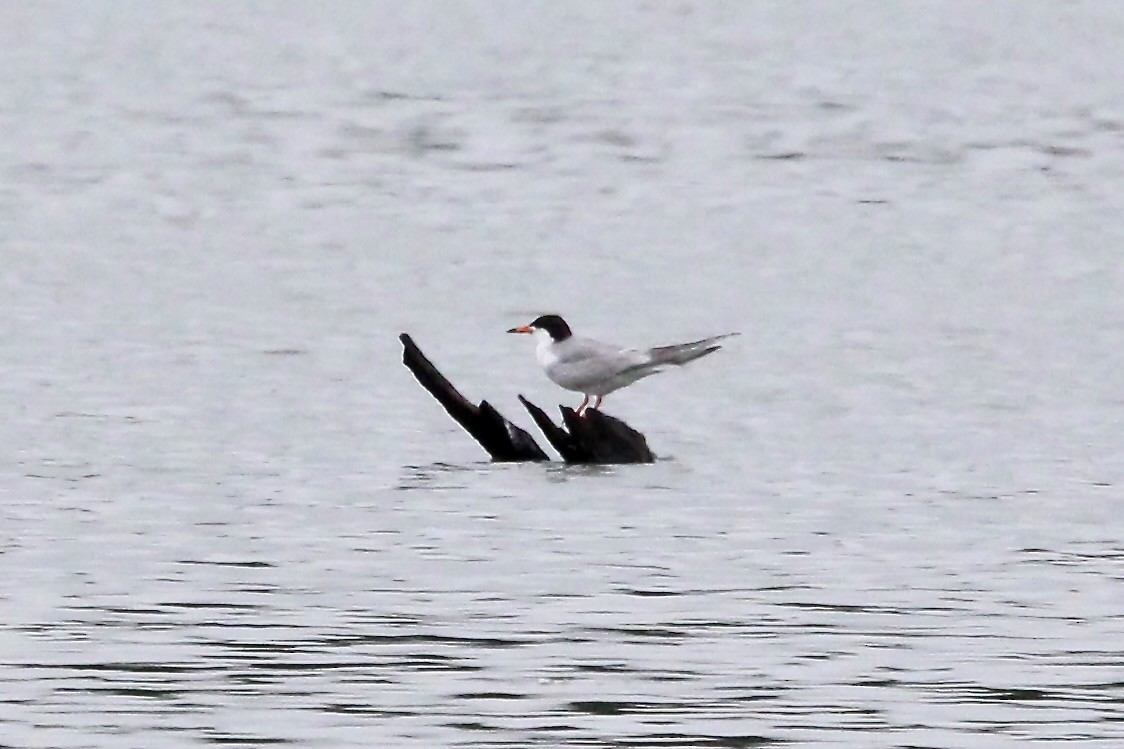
(887, 515)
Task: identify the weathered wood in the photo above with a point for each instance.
(594, 437)
(591, 438)
(559, 438)
(605, 438)
(502, 440)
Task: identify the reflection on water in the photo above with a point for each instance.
(884, 518)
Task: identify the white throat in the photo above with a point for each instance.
(544, 350)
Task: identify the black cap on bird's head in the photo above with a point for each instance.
(552, 324)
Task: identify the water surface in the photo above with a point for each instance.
(885, 516)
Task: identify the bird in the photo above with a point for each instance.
(596, 369)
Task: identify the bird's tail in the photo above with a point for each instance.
(681, 353)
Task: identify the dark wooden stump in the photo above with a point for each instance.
(503, 440)
(592, 438)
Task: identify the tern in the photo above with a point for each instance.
(596, 369)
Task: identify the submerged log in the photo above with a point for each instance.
(591, 438)
(499, 437)
(594, 437)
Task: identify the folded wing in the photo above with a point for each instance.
(681, 353)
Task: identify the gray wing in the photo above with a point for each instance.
(681, 353)
(588, 363)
